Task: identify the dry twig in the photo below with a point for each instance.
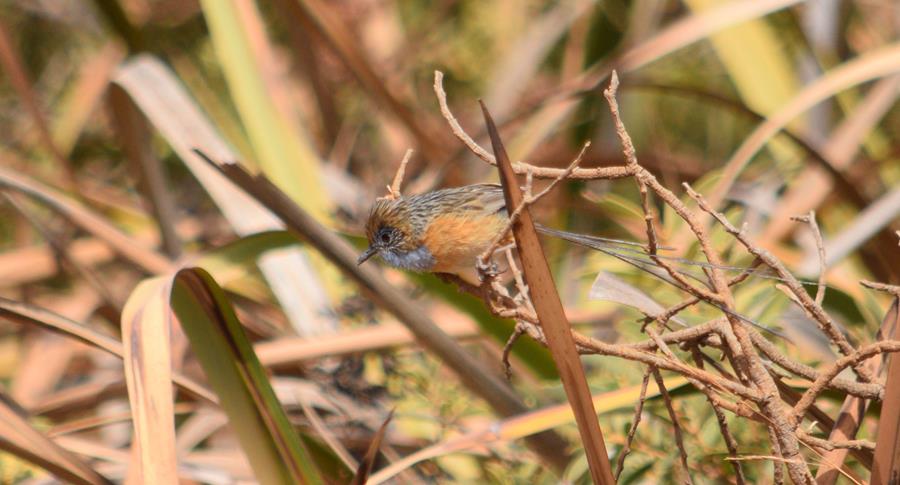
(751, 389)
(394, 188)
(820, 250)
(679, 439)
(635, 421)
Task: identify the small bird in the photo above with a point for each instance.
(446, 230)
(442, 231)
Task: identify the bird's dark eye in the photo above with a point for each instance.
(385, 237)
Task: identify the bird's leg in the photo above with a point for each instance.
(519, 330)
(488, 269)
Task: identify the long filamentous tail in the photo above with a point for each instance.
(637, 255)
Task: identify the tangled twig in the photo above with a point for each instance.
(750, 389)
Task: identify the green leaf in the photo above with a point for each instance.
(217, 338)
(532, 354)
(284, 156)
(757, 63)
(232, 263)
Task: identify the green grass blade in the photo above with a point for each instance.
(272, 446)
(282, 154)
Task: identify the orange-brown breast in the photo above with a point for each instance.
(456, 240)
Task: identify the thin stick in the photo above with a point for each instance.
(820, 250)
(874, 285)
(519, 168)
(507, 348)
(853, 359)
(455, 127)
(394, 188)
(730, 442)
(825, 322)
(679, 438)
(763, 457)
(635, 421)
(744, 354)
(529, 200)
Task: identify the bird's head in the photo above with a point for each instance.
(393, 235)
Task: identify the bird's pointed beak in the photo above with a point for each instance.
(366, 255)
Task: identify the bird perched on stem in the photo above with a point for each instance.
(442, 231)
(446, 230)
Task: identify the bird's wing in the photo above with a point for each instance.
(491, 197)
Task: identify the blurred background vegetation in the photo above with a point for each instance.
(101, 102)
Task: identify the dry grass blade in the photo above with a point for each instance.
(18, 437)
(471, 373)
(86, 219)
(520, 426)
(814, 184)
(853, 411)
(550, 312)
(47, 356)
(317, 16)
(26, 314)
(78, 425)
(159, 95)
(148, 373)
(14, 68)
(295, 350)
(368, 462)
(36, 262)
(846, 425)
(132, 129)
(326, 435)
(61, 403)
(886, 467)
(863, 68)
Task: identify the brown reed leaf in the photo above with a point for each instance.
(550, 312)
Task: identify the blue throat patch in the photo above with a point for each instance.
(416, 260)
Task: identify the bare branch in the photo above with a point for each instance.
(394, 188)
(745, 384)
(679, 439)
(635, 421)
(520, 168)
(820, 251)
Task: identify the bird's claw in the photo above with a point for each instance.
(489, 270)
